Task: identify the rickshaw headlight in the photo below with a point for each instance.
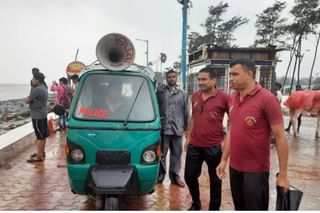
(149, 156)
(76, 155)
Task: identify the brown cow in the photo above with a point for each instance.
(299, 101)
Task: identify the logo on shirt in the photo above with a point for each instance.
(213, 114)
(250, 121)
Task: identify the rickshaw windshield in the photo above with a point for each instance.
(115, 98)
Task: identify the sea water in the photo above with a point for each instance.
(14, 91)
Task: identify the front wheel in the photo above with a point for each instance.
(111, 202)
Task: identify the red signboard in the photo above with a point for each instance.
(90, 112)
(75, 67)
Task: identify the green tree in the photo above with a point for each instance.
(315, 53)
(270, 26)
(195, 41)
(177, 66)
(218, 31)
(306, 19)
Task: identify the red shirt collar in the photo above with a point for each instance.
(254, 91)
(212, 94)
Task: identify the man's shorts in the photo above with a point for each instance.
(40, 127)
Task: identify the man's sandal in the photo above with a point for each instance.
(35, 155)
(32, 160)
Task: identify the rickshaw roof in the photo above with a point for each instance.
(132, 68)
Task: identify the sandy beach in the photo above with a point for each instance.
(14, 113)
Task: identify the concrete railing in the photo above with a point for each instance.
(15, 141)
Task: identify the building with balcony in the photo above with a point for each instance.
(220, 58)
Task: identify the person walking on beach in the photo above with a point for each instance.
(174, 113)
(278, 93)
(61, 90)
(38, 109)
(206, 134)
(254, 114)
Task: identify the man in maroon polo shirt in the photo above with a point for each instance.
(254, 114)
(204, 138)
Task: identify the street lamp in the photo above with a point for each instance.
(184, 40)
(147, 52)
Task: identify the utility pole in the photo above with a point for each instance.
(75, 59)
(147, 52)
(184, 41)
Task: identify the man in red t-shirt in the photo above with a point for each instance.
(205, 136)
(254, 114)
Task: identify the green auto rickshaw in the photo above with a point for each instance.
(113, 127)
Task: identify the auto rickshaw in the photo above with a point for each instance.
(113, 127)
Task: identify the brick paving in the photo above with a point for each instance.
(44, 186)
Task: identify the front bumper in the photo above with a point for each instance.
(112, 179)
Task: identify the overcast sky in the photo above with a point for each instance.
(47, 33)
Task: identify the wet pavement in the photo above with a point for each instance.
(44, 186)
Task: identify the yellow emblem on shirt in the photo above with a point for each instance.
(250, 121)
(213, 114)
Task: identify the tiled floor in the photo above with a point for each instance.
(44, 186)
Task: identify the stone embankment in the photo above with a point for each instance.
(15, 113)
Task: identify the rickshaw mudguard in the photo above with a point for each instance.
(113, 179)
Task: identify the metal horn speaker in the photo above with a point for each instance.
(115, 51)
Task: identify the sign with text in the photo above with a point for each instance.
(75, 67)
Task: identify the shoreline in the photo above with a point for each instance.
(15, 113)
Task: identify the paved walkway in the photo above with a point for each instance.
(44, 186)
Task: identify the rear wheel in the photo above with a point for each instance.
(111, 202)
